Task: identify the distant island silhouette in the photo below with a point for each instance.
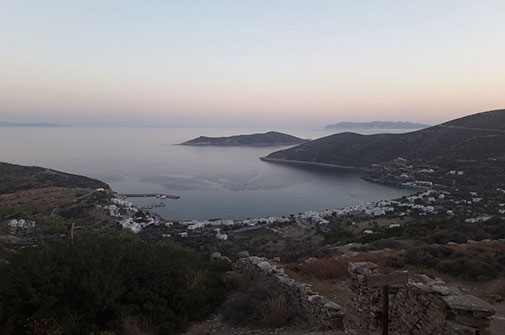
(260, 139)
(377, 125)
(28, 124)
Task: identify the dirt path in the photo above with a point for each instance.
(216, 327)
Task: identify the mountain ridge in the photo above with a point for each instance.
(473, 137)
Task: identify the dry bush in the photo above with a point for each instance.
(274, 311)
(43, 327)
(132, 326)
(477, 262)
(261, 304)
(195, 278)
(336, 268)
(326, 268)
(468, 268)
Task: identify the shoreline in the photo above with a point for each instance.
(293, 162)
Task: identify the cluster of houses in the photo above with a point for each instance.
(21, 224)
(130, 217)
(429, 202)
(377, 209)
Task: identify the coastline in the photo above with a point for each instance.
(237, 144)
(293, 162)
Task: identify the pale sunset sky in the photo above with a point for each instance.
(262, 63)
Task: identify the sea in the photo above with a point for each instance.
(212, 182)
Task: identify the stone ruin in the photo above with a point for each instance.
(316, 310)
(422, 306)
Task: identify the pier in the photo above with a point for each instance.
(150, 195)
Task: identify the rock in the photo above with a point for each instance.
(422, 287)
(446, 290)
(215, 255)
(469, 303)
(354, 266)
(332, 306)
(286, 280)
(494, 298)
(422, 278)
(265, 266)
(456, 328)
(255, 259)
(243, 254)
(469, 320)
(350, 254)
(314, 298)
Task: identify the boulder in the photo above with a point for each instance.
(215, 255)
(469, 303)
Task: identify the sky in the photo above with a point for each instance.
(257, 63)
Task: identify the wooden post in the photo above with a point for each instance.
(385, 280)
(385, 310)
(72, 232)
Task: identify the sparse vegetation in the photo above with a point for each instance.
(479, 261)
(336, 268)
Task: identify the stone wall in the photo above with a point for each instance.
(317, 311)
(422, 306)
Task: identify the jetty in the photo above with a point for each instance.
(150, 195)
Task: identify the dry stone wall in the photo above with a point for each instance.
(422, 306)
(317, 311)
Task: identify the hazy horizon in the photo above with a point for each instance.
(261, 64)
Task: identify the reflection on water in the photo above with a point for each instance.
(224, 182)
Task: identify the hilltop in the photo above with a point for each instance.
(261, 139)
(15, 178)
(475, 137)
(377, 125)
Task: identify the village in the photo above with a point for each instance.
(442, 195)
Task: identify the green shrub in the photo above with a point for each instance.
(90, 285)
(468, 269)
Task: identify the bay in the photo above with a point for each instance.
(213, 182)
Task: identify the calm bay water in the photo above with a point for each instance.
(213, 182)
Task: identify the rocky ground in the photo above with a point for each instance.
(218, 327)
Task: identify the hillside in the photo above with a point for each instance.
(15, 178)
(263, 139)
(377, 125)
(476, 137)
